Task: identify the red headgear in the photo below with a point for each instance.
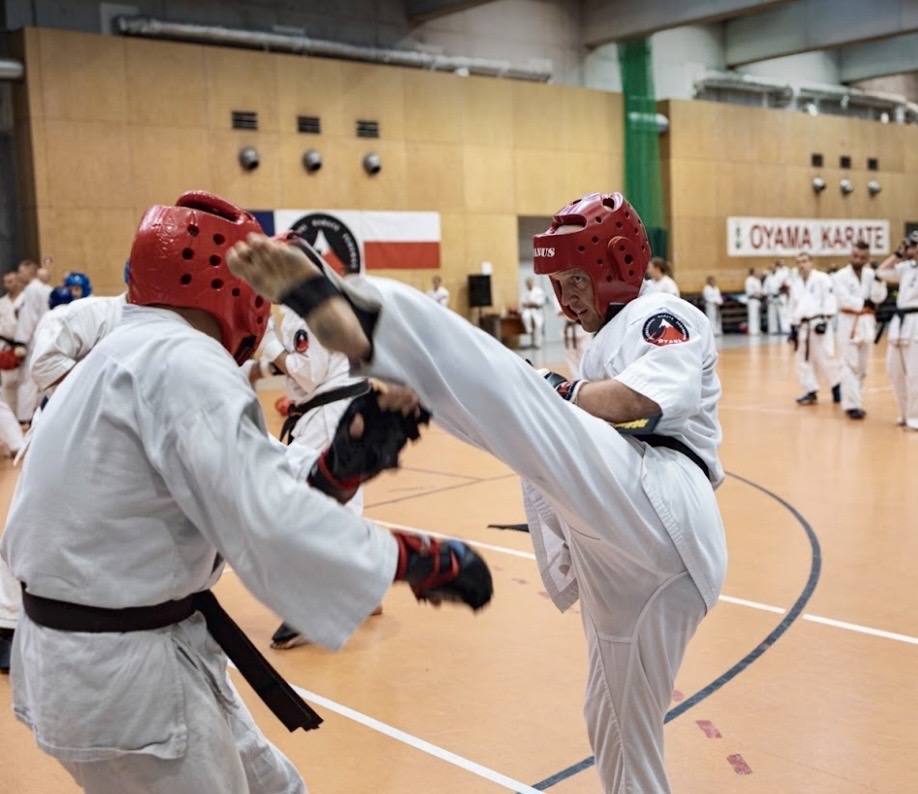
(179, 259)
(610, 245)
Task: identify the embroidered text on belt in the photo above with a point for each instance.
(276, 693)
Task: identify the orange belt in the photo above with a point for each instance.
(857, 313)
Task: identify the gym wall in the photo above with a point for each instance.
(108, 126)
(722, 160)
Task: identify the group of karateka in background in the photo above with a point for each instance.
(150, 466)
(831, 318)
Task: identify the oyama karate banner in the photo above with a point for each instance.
(353, 241)
(790, 236)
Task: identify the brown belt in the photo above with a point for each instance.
(270, 686)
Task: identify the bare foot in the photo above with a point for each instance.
(274, 268)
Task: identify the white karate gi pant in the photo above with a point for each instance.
(226, 751)
(712, 310)
(783, 312)
(608, 496)
(854, 357)
(533, 322)
(819, 362)
(754, 317)
(902, 368)
(10, 431)
(9, 387)
(10, 597)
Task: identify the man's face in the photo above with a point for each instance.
(575, 292)
(26, 273)
(859, 257)
(10, 281)
(805, 264)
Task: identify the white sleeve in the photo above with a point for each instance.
(670, 374)
(311, 560)
(61, 341)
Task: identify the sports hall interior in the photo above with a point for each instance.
(798, 681)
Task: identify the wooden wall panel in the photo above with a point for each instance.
(88, 76)
(258, 188)
(587, 172)
(385, 190)
(166, 85)
(167, 161)
(592, 121)
(489, 179)
(536, 116)
(760, 166)
(376, 94)
(88, 165)
(434, 176)
(433, 107)
(94, 241)
(540, 182)
(240, 80)
(487, 112)
(322, 188)
(311, 87)
(480, 151)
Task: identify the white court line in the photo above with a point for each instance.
(840, 624)
(752, 604)
(418, 744)
(413, 741)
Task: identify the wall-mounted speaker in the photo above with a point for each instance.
(479, 290)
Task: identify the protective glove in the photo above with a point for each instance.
(447, 570)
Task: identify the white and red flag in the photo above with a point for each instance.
(353, 241)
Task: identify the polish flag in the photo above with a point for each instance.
(384, 240)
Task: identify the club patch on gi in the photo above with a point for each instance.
(665, 329)
(301, 341)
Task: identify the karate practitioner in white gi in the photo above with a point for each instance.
(33, 304)
(754, 295)
(627, 524)
(311, 371)
(812, 306)
(858, 292)
(901, 268)
(532, 312)
(150, 467)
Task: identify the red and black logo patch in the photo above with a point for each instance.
(665, 329)
(301, 341)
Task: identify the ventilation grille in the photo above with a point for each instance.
(245, 120)
(816, 160)
(873, 164)
(844, 161)
(309, 124)
(367, 129)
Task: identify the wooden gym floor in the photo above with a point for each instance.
(799, 681)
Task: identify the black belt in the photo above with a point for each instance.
(655, 440)
(900, 313)
(296, 412)
(276, 693)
